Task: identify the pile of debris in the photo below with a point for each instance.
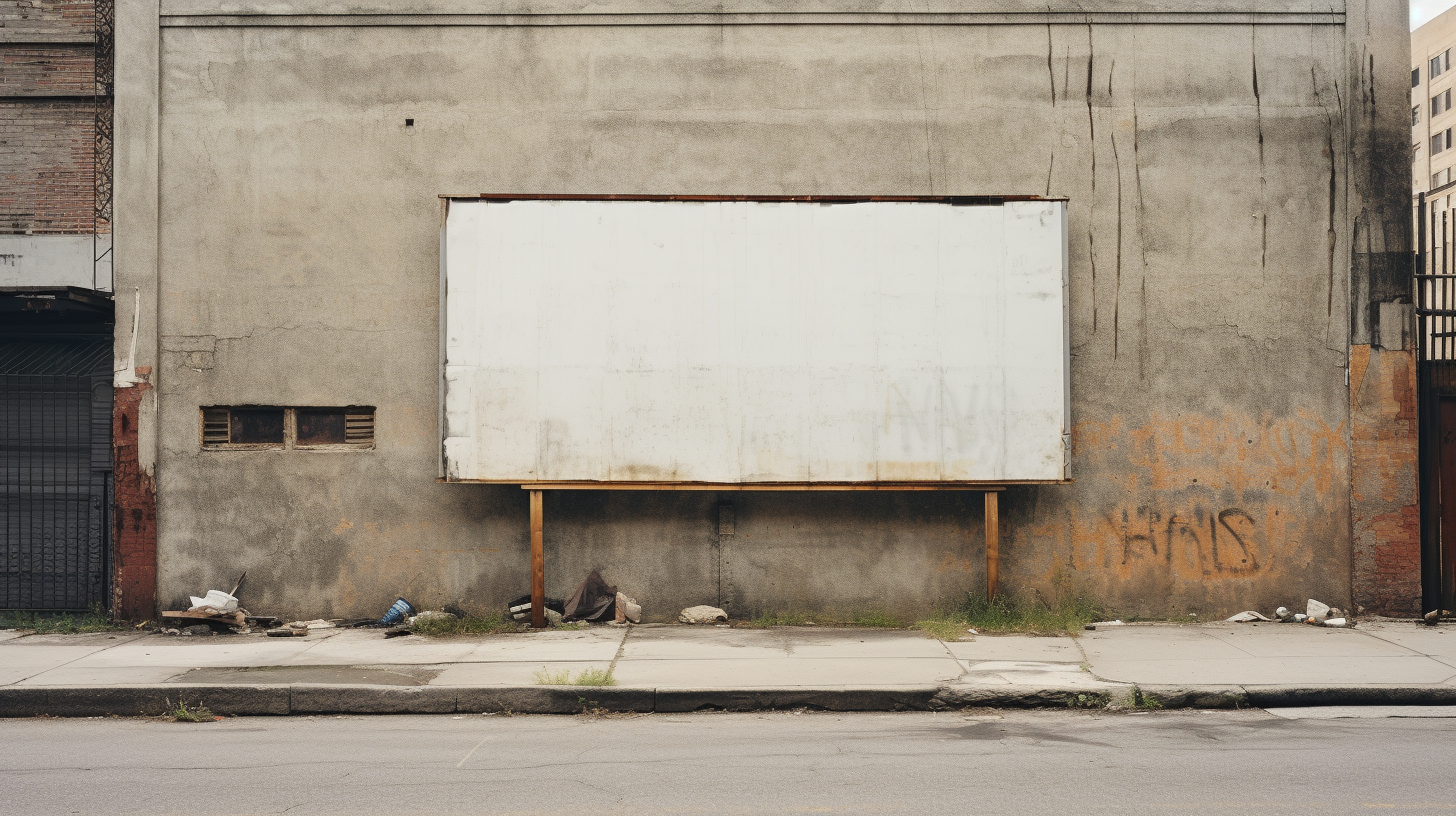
(594, 601)
(1315, 613)
(214, 612)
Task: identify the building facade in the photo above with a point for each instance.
(55, 305)
(1236, 175)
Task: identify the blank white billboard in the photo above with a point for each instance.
(742, 342)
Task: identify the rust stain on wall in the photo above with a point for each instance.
(1196, 512)
(134, 579)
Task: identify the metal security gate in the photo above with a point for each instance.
(55, 472)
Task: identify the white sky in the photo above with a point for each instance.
(1423, 10)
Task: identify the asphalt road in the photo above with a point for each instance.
(1038, 763)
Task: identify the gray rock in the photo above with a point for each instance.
(702, 614)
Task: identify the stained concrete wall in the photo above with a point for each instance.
(1218, 164)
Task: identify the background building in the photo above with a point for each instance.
(55, 304)
(1242, 383)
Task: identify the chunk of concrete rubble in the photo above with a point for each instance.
(1092, 627)
(628, 610)
(1316, 611)
(702, 614)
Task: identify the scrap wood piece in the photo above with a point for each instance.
(235, 619)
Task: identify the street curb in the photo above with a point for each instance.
(318, 699)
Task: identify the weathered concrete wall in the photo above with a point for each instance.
(1208, 165)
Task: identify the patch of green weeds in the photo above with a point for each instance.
(772, 619)
(1063, 610)
(587, 677)
(1089, 700)
(468, 625)
(186, 713)
(1142, 702)
(944, 626)
(553, 678)
(876, 620)
(97, 620)
(595, 677)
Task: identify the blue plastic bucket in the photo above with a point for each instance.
(398, 612)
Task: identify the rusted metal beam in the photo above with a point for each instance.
(538, 564)
(993, 543)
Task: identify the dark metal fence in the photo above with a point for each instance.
(55, 473)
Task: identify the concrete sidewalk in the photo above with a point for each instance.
(681, 668)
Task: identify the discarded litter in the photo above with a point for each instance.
(400, 610)
(520, 608)
(1246, 617)
(314, 624)
(702, 614)
(594, 600)
(215, 602)
(286, 631)
(1316, 610)
(398, 631)
(1092, 627)
(430, 615)
(1337, 622)
(973, 631)
(628, 610)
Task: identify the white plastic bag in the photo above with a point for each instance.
(215, 602)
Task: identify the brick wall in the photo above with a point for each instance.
(46, 20)
(50, 70)
(47, 117)
(46, 175)
(1385, 481)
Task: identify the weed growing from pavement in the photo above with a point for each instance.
(876, 620)
(595, 677)
(469, 625)
(587, 677)
(63, 624)
(1088, 699)
(186, 713)
(1028, 613)
(553, 678)
(772, 619)
(1143, 702)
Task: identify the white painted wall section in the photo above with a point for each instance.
(56, 260)
(752, 342)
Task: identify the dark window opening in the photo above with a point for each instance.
(256, 426)
(321, 426)
(308, 428)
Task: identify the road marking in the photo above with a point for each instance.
(473, 750)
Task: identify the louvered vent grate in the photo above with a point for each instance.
(359, 427)
(215, 426)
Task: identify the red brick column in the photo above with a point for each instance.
(1385, 482)
(135, 549)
